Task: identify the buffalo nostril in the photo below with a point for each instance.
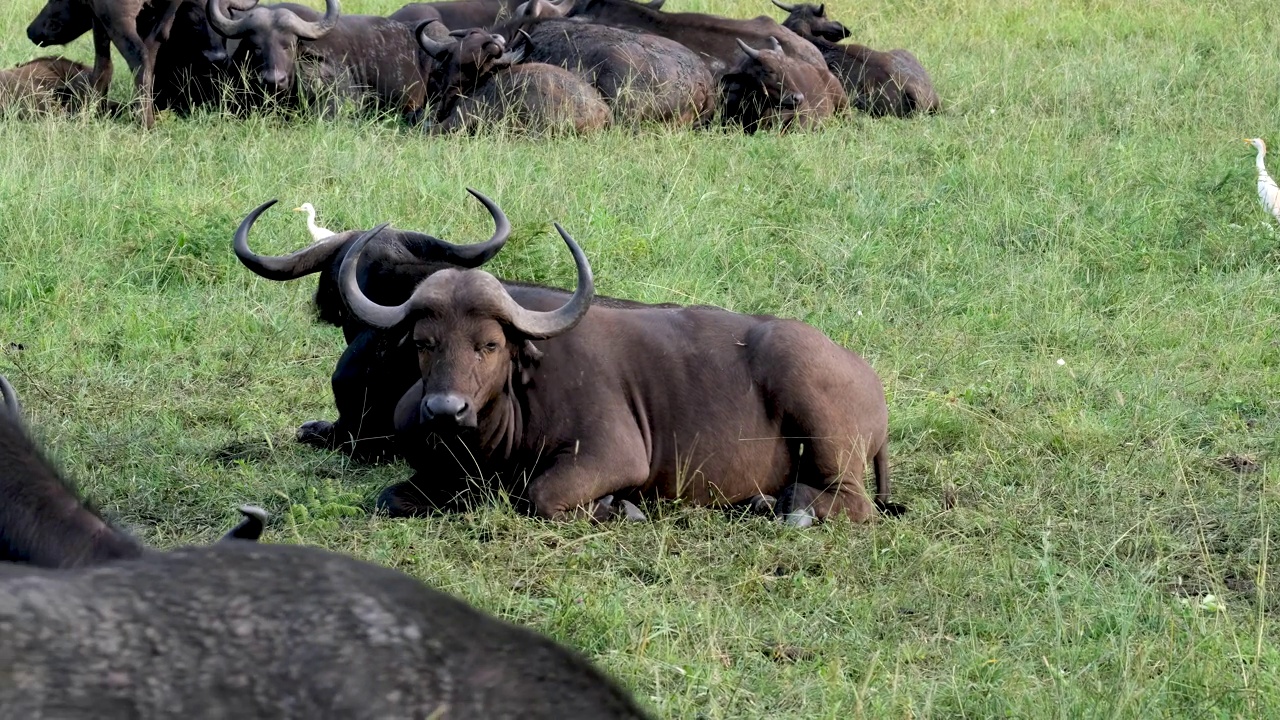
(451, 408)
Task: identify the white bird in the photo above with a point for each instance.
(317, 232)
(1268, 193)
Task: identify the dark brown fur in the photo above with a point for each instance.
(645, 78)
(877, 83)
(45, 85)
(772, 89)
(671, 402)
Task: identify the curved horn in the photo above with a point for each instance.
(467, 256)
(10, 398)
(308, 30)
(285, 267)
(537, 325)
(433, 47)
(224, 25)
(655, 4)
(751, 52)
(460, 33)
(821, 11)
(774, 44)
(367, 310)
(785, 7)
(251, 527)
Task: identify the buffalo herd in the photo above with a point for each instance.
(537, 65)
(577, 406)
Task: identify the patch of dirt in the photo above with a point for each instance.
(1239, 464)
(242, 450)
(786, 653)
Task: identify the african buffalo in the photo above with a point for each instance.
(367, 58)
(377, 366)
(96, 625)
(768, 88)
(189, 65)
(43, 521)
(535, 97)
(878, 83)
(711, 36)
(645, 78)
(46, 85)
(592, 402)
(459, 15)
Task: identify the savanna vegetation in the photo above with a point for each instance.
(1065, 281)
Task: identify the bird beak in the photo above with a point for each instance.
(300, 209)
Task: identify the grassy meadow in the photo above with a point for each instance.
(1065, 281)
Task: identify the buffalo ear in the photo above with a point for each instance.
(527, 357)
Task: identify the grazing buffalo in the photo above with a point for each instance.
(44, 86)
(711, 36)
(768, 88)
(534, 97)
(594, 403)
(377, 366)
(878, 83)
(43, 522)
(241, 630)
(644, 78)
(97, 626)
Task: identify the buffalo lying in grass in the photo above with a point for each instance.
(46, 86)
(377, 367)
(878, 83)
(533, 97)
(768, 88)
(644, 78)
(595, 403)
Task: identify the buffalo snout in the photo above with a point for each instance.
(275, 81)
(447, 409)
(215, 56)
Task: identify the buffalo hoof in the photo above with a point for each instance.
(606, 508)
(403, 500)
(255, 521)
(801, 518)
(762, 505)
(317, 433)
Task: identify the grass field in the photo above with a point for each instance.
(1065, 281)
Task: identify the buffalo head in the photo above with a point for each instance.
(471, 336)
(809, 21)
(60, 22)
(761, 90)
(269, 37)
(462, 62)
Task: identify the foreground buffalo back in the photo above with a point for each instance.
(517, 381)
(260, 631)
(645, 78)
(877, 83)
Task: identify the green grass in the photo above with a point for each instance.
(1085, 196)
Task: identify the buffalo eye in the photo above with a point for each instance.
(427, 345)
(487, 348)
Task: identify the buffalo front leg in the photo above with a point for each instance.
(102, 70)
(578, 485)
(836, 488)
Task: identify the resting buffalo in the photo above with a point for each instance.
(43, 522)
(596, 403)
(645, 78)
(370, 59)
(878, 83)
(377, 367)
(711, 36)
(535, 97)
(768, 88)
(46, 85)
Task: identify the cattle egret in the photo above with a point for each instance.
(1268, 193)
(317, 232)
